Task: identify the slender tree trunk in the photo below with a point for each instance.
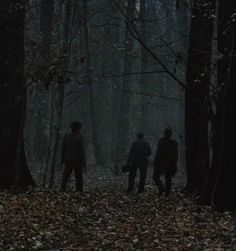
(50, 138)
(216, 122)
(123, 127)
(115, 96)
(46, 18)
(196, 96)
(56, 145)
(13, 166)
(144, 66)
(89, 79)
(45, 61)
(61, 86)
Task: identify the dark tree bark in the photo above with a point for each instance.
(116, 64)
(89, 80)
(46, 18)
(220, 188)
(224, 190)
(123, 127)
(60, 86)
(144, 66)
(196, 96)
(13, 166)
(45, 61)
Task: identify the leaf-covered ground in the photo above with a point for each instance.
(105, 218)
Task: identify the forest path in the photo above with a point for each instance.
(105, 218)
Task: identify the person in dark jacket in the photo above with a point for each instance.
(165, 162)
(73, 157)
(138, 159)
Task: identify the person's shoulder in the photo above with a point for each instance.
(174, 142)
(71, 135)
(79, 136)
(162, 140)
(145, 142)
(67, 135)
(134, 143)
(138, 143)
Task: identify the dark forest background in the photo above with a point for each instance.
(119, 67)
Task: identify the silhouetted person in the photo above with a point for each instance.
(165, 162)
(73, 157)
(138, 159)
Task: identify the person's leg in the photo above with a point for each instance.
(66, 175)
(159, 185)
(79, 178)
(132, 175)
(168, 183)
(142, 180)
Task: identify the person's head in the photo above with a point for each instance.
(167, 132)
(140, 135)
(75, 126)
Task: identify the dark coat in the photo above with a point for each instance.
(139, 152)
(73, 149)
(166, 157)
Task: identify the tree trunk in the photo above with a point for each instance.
(116, 82)
(196, 96)
(144, 63)
(89, 80)
(46, 18)
(123, 126)
(13, 166)
(45, 61)
(225, 189)
(61, 81)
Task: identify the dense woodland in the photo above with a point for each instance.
(119, 67)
